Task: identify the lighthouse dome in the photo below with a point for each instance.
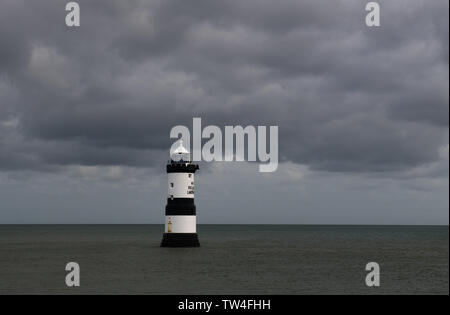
(180, 154)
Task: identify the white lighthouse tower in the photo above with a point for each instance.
(181, 222)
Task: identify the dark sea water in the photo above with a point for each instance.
(233, 259)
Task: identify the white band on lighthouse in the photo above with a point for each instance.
(181, 185)
(181, 224)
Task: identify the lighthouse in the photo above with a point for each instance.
(181, 223)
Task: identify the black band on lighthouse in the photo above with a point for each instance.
(180, 206)
(180, 209)
(180, 201)
(181, 168)
(180, 240)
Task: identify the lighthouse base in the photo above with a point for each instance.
(180, 240)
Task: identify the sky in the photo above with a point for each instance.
(363, 113)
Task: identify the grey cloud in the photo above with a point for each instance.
(346, 98)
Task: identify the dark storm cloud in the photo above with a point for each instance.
(346, 98)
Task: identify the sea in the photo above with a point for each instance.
(232, 259)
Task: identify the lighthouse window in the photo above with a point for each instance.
(190, 175)
(171, 185)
